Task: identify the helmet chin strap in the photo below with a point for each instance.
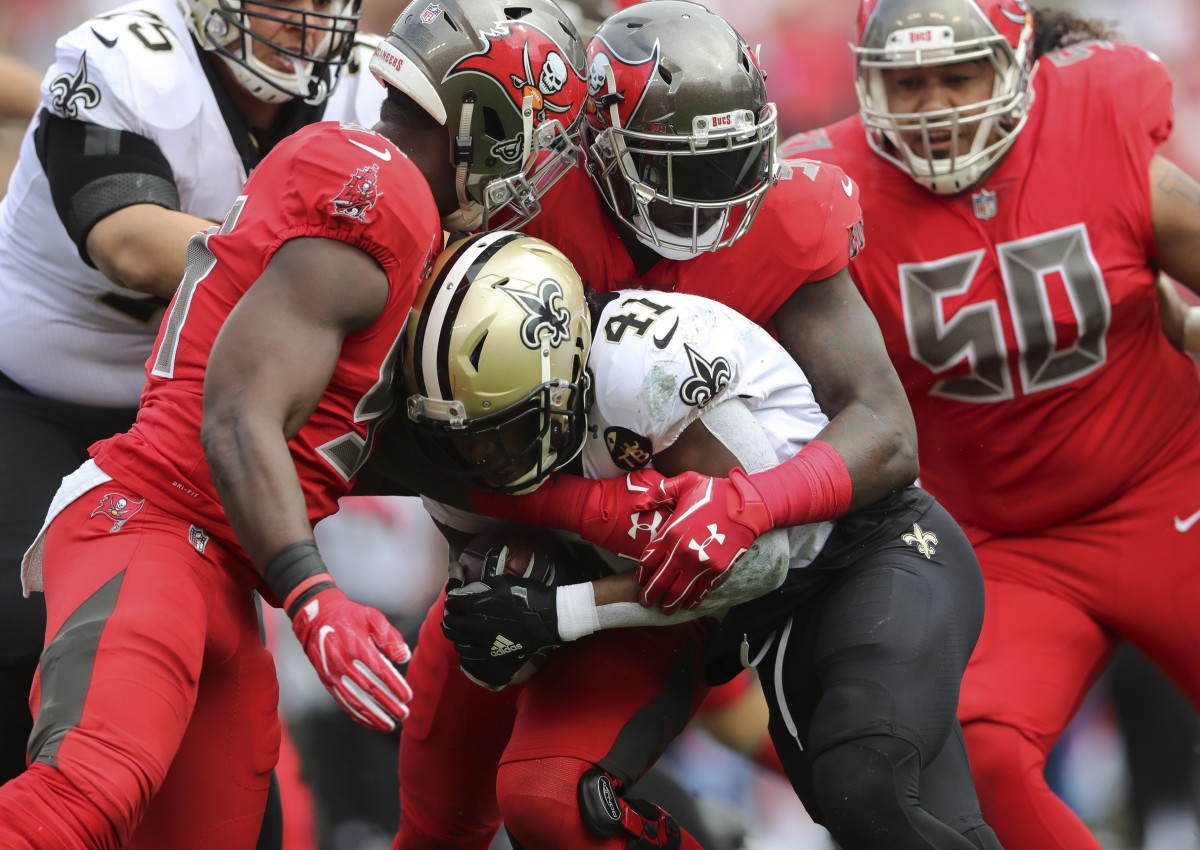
(467, 212)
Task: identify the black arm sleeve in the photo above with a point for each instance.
(95, 171)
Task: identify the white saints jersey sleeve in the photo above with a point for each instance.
(66, 332)
(659, 360)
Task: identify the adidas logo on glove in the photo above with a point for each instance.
(503, 646)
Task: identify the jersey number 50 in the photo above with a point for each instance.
(975, 333)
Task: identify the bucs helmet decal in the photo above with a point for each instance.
(551, 83)
(627, 102)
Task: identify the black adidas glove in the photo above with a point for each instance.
(500, 624)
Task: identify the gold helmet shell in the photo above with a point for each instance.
(495, 367)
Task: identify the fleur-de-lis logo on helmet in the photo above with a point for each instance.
(73, 89)
(923, 540)
(548, 317)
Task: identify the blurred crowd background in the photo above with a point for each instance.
(804, 48)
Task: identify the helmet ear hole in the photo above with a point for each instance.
(477, 352)
(492, 125)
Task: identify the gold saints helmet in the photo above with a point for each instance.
(495, 361)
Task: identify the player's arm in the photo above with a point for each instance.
(143, 247)
(20, 88)
(1175, 215)
(268, 369)
(867, 450)
(725, 437)
(116, 196)
(832, 334)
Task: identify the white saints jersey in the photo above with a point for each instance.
(659, 360)
(66, 331)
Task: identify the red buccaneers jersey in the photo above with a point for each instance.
(806, 230)
(1021, 314)
(329, 180)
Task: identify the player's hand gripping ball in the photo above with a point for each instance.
(503, 618)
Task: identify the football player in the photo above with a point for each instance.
(151, 117)
(1019, 217)
(687, 195)
(155, 702)
(862, 629)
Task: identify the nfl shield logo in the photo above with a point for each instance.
(984, 203)
(430, 14)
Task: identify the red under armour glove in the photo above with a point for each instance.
(714, 523)
(352, 647)
(717, 519)
(620, 514)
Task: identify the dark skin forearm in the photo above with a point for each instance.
(267, 372)
(831, 333)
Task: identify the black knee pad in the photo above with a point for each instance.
(606, 813)
(871, 780)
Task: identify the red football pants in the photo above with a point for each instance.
(1058, 603)
(155, 701)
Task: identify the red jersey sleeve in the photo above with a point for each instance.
(344, 182)
(809, 228)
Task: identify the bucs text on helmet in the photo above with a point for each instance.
(506, 78)
(232, 28)
(495, 361)
(680, 136)
(905, 34)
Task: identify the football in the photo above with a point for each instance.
(517, 551)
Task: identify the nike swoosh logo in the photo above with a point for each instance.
(1183, 525)
(848, 186)
(323, 633)
(666, 340)
(107, 42)
(385, 155)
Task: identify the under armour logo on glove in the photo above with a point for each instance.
(646, 529)
(697, 546)
(673, 573)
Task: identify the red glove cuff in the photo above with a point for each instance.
(811, 487)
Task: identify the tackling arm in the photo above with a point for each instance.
(725, 436)
(831, 333)
(268, 370)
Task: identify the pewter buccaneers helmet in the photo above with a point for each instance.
(680, 135)
(506, 78)
(923, 33)
(495, 366)
(226, 27)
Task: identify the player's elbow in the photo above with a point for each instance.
(219, 429)
(897, 441)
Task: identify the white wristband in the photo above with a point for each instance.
(577, 615)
